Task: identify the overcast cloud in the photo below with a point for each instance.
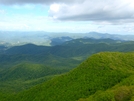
(12, 2)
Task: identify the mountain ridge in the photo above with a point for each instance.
(74, 51)
(15, 38)
(101, 71)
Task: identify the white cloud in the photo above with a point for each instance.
(113, 11)
(55, 7)
(67, 15)
(110, 11)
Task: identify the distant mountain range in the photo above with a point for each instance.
(69, 54)
(24, 66)
(14, 38)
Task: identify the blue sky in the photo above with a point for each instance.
(106, 16)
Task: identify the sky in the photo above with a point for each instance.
(77, 16)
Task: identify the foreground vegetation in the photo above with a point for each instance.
(104, 76)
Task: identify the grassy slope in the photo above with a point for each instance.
(100, 72)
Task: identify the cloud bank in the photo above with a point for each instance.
(106, 11)
(110, 11)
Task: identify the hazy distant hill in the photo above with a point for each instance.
(67, 47)
(68, 54)
(98, 35)
(60, 40)
(102, 77)
(15, 38)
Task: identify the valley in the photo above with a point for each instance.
(75, 70)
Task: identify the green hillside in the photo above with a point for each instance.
(29, 71)
(104, 76)
(24, 75)
(23, 67)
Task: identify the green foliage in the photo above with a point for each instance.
(123, 94)
(120, 93)
(25, 75)
(96, 79)
(30, 71)
(99, 78)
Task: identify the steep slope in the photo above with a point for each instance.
(123, 91)
(99, 72)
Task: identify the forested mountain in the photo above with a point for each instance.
(22, 67)
(60, 40)
(2, 48)
(73, 47)
(72, 52)
(24, 75)
(102, 77)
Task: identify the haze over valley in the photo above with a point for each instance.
(16, 38)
